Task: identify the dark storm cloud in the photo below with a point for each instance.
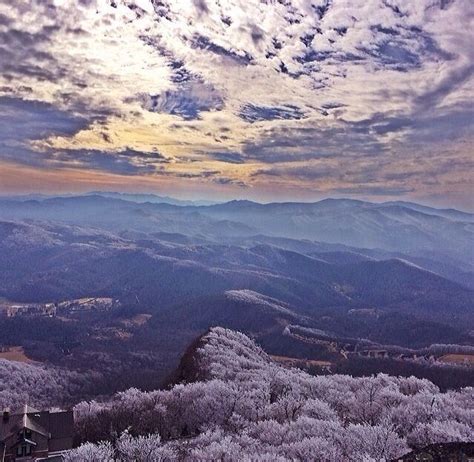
(203, 174)
(24, 39)
(352, 153)
(402, 176)
(79, 104)
(421, 126)
(332, 105)
(11, 69)
(303, 173)
(180, 72)
(450, 82)
(24, 53)
(5, 20)
(357, 139)
(229, 181)
(125, 162)
(201, 7)
(214, 176)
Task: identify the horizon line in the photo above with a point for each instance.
(221, 202)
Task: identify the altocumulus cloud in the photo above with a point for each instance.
(125, 162)
(188, 101)
(380, 85)
(23, 122)
(252, 113)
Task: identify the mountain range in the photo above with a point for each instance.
(413, 260)
(384, 276)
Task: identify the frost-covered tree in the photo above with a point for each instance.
(142, 448)
(39, 385)
(244, 406)
(102, 452)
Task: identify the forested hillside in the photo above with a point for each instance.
(235, 403)
(41, 386)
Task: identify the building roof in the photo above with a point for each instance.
(57, 427)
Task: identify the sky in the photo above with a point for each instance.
(258, 99)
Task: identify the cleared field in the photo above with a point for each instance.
(137, 320)
(297, 362)
(458, 359)
(15, 354)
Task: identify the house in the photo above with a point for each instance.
(374, 353)
(31, 435)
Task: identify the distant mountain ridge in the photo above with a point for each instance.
(438, 240)
(389, 226)
(153, 198)
(132, 197)
(238, 203)
(382, 275)
(242, 286)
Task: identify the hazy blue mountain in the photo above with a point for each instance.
(153, 198)
(139, 198)
(244, 310)
(122, 215)
(453, 214)
(389, 227)
(48, 261)
(333, 253)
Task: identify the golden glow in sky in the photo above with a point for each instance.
(239, 98)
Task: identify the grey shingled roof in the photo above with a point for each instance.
(53, 425)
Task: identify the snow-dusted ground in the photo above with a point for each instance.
(246, 407)
(255, 298)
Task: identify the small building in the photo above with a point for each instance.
(374, 353)
(31, 435)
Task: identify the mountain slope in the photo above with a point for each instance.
(392, 227)
(395, 227)
(235, 403)
(50, 262)
(244, 310)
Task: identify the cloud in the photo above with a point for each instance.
(22, 120)
(201, 7)
(314, 141)
(252, 113)
(302, 95)
(444, 87)
(230, 157)
(301, 172)
(188, 101)
(125, 162)
(204, 43)
(373, 190)
(230, 181)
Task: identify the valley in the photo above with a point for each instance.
(123, 296)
